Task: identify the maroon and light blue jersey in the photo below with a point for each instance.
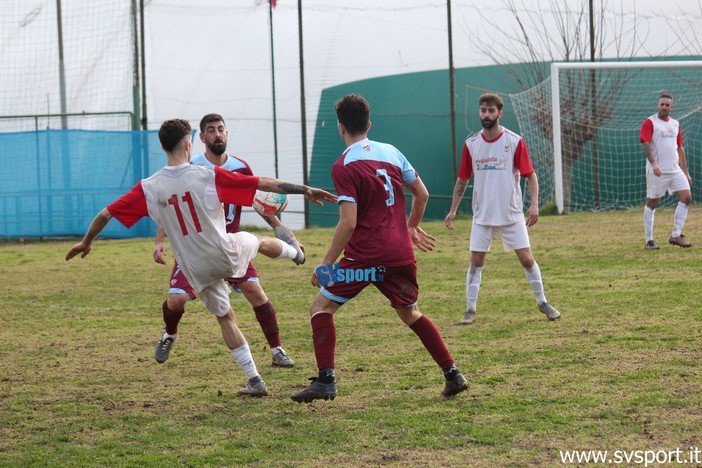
(233, 164)
(371, 174)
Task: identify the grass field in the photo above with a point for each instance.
(622, 370)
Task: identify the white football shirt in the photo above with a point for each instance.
(665, 136)
(186, 201)
(496, 166)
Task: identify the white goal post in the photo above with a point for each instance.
(592, 97)
(556, 105)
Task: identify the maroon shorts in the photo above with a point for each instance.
(179, 283)
(397, 283)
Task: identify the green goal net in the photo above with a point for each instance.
(590, 157)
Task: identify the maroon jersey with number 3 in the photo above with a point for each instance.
(371, 174)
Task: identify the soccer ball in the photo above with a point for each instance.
(269, 203)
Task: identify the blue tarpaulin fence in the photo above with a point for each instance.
(55, 181)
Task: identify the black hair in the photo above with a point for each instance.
(172, 133)
(353, 112)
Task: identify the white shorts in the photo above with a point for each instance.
(216, 296)
(514, 236)
(246, 245)
(657, 186)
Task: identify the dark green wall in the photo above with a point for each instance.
(411, 112)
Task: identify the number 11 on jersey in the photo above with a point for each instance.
(188, 199)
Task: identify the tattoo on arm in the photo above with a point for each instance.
(287, 187)
(269, 220)
(460, 188)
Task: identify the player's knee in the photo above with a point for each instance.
(527, 262)
(253, 292)
(269, 246)
(177, 301)
(408, 315)
(264, 242)
(322, 304)
(224, 314)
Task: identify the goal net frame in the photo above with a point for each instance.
(557, 142)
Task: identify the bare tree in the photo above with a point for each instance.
(561, 33)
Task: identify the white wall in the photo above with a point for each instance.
(214, 55)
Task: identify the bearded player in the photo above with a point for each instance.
(214, 135)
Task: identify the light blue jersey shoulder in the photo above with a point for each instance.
(369, 150)
(232, 164)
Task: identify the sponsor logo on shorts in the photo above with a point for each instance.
(330, 274)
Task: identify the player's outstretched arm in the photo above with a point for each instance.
(315, 195)
(83, 247)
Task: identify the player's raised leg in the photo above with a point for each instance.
(277, 248)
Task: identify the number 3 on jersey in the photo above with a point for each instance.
(382, 173)
(188, 199)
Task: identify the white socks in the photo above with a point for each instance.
(536, 283)
(473, 279)
(243, 357)
(678, 223)
(648, 223)
(288, 250)
(680, 217)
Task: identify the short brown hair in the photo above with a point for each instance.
(209, 118)
(491, 99)
(172, 133)
(353, 112)
(665, 95)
